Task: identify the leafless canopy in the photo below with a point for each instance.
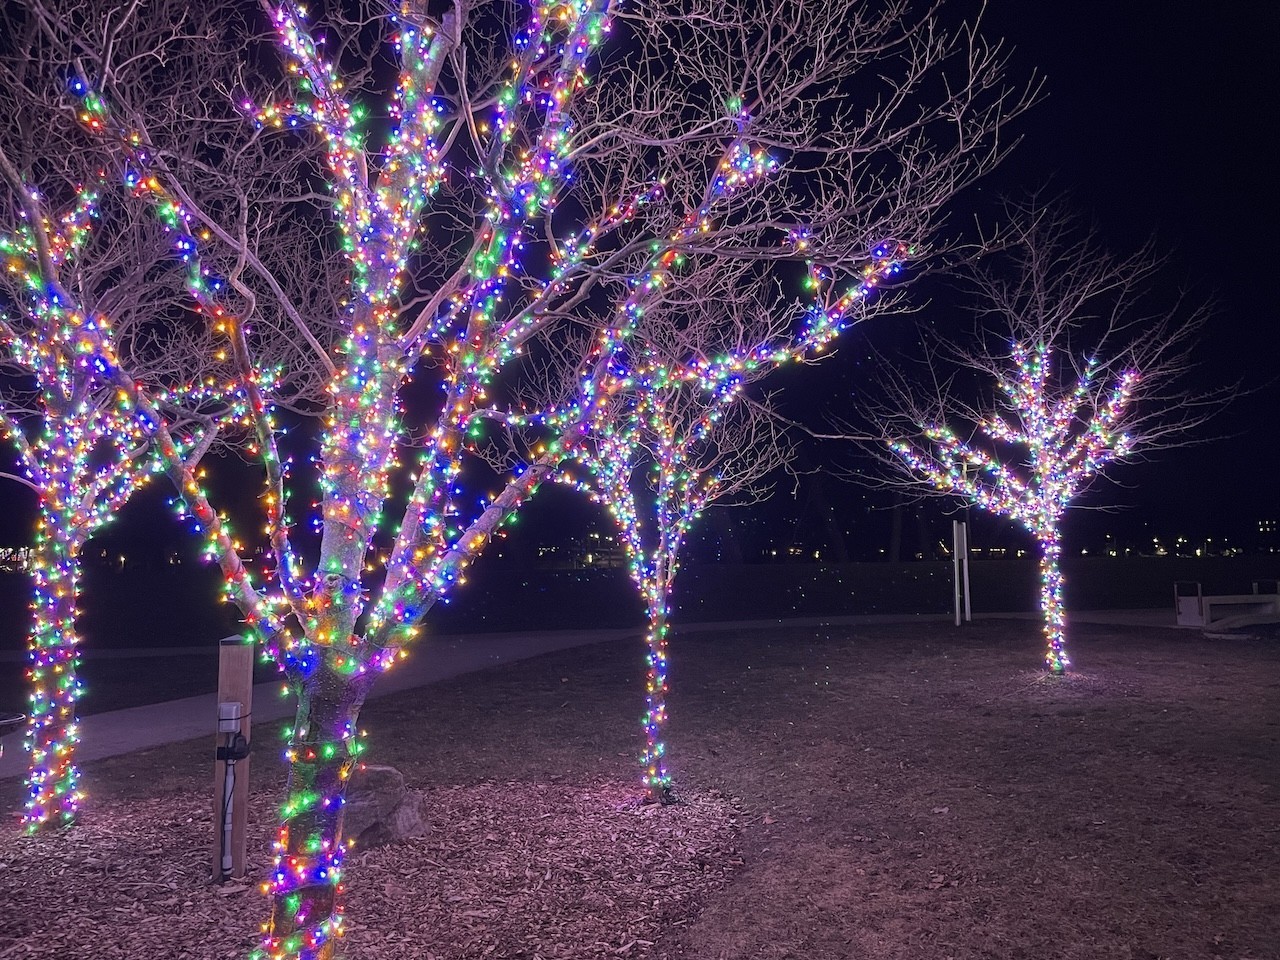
(53, 204)
(481, 194)
(1051, 291)
(874, 115)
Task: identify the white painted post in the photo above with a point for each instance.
(955, 568)
(960, 568)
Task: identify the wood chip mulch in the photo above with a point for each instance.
(505, 870)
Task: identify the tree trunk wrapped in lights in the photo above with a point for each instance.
(323, 749)
(1059, 415)
(529, 198)
(1051, 608)
(53, 790)
(656, 779)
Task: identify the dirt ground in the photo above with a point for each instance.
(910, 791)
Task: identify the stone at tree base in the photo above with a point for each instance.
(380, 809)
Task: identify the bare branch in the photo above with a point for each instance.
(1066, 374)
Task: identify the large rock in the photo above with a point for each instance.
(380, 809)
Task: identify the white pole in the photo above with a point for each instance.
(964, 539)
(955, 564)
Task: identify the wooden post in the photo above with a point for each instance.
(235, 685)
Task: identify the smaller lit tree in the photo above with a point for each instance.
(677, 449)
(1059, 415)
(82, 446)
(682, 435)
(1067, 432)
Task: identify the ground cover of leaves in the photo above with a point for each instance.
(899, 791)
(513, 869)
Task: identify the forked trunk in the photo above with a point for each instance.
(657, 781)
(1051, 604)
(307, 889)
(53, 651)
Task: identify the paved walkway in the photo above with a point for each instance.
(433, 659)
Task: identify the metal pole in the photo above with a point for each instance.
(955, 565)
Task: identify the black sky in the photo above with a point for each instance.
(1157, 119)
(1156, 122)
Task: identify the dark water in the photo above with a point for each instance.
(178, 606)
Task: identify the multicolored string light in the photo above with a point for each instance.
(474, 333)
(247, 394)
(89, 454)
(429, 555)
(645, 446)
(1067, 435)
(658, 424)
(54, 462)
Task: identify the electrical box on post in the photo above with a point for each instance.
(229, 717)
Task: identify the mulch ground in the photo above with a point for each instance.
(908, 791)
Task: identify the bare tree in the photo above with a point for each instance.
(1082, 376)
(530, 192)
(675, 443)
(74, 304)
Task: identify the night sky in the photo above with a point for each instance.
(1155, 121)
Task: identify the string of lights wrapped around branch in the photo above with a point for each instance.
(261, 622)
(92, 453)
(1067, 437)
(430, 554)
(377, 226)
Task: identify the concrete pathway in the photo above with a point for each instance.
(433, 659)
(137, 728)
